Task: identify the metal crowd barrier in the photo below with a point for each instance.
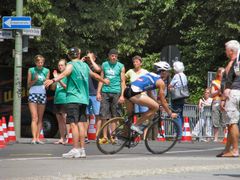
(201, 126)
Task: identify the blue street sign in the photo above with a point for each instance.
(16, 22)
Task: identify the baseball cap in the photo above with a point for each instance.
(113, 51)
(73, 51)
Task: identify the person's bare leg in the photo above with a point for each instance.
(228, 145)
(34, 123)
(40, 109)
(105, 130)
(235, 136)
(86, 124)
(98, 123)
(68, 131)
(61, 126)
(82, 129)
(216, 132)
(129, 106)
(75, 133)
(145, 101)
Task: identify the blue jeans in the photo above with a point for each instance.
(94, 106)
(179, 120)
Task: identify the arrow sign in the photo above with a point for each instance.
(16, 22)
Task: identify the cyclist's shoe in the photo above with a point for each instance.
(137, 129)
(103, 141)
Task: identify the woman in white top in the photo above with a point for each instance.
(204, 106)
(179, 80)
(132, 75)
(37, 95)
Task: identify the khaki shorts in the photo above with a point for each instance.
(217, 115)
(232, 107)
(109, 107)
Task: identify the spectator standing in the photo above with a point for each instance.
(204, 106)
(231, 98)
(60, 101)
(179, 80)
(217, 116)
(111, 96)
(37, 96)
(77, 100)
(132, 74)
(94, 105)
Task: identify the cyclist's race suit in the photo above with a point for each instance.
(144, 83)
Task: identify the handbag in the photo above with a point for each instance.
(180, 92)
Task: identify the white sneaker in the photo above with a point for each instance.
(136, 128)
(82, 153)
(73, 153)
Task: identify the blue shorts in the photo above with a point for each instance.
(94, 106)
(140, 109)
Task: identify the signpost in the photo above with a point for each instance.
(32, 32)
(170, 54)
(16, 22)
(5, 34)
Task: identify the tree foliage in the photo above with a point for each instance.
(198, 28)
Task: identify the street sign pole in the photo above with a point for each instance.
(17, 90)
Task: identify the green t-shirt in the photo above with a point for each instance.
(42, 74)
(113, 73)
(60, 93)
(77, 86)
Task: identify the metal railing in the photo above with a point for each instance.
(200, 121)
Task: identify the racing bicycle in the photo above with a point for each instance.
(161, 134)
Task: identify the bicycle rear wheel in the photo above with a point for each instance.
(117, 136)
(161, 136)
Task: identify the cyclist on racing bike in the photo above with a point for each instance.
(148, 82)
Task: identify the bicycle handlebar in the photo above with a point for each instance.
(173, 110)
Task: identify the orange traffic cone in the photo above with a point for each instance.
(70, 137)
(11, 130)
(2, 142)
(186, 134)
(5, 131)
(224, 141)
(41, 136)
(92, 128)
(161, 133)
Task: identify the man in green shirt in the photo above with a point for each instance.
(111, 96)
(77, 99)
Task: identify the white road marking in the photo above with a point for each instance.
(195, 150)
(115, 156)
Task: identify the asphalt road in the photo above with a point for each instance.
(185, 161)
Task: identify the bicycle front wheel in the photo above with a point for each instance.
(161, 136)
(113, 136)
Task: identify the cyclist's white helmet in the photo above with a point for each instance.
(162, 65)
